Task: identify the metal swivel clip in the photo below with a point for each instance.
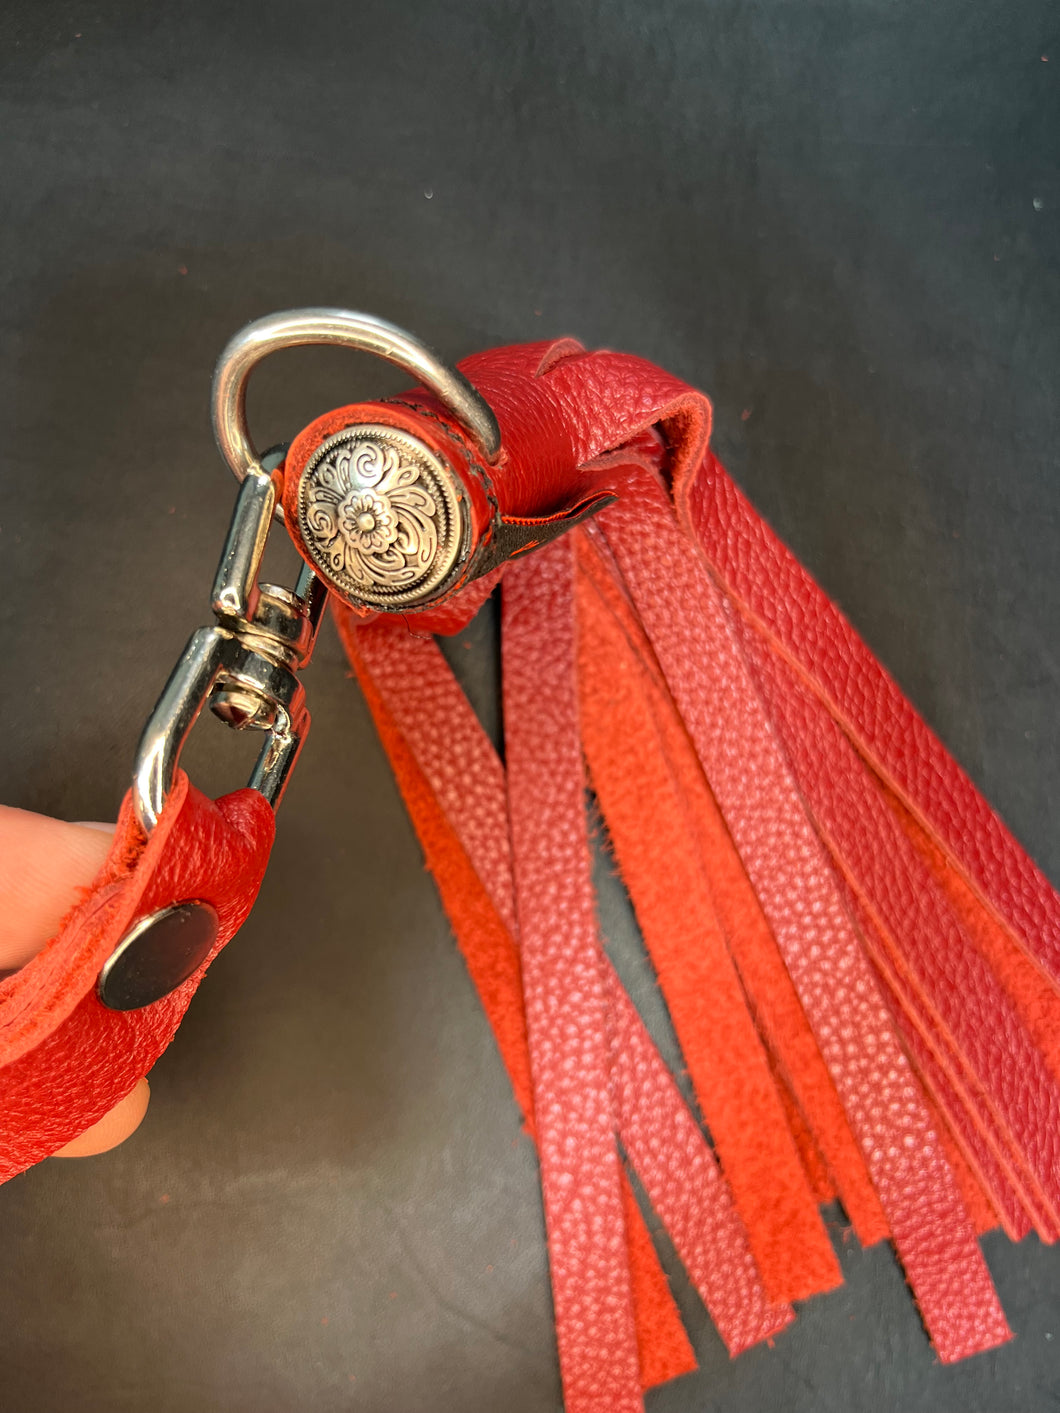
(246, 665)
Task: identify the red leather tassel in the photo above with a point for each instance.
(822, 949)
(403, 678)
(857, 957)
(778, 1013)
(802, 878)
(563, 990)
(667, 879)
(416, 701)
(935, 963)
(767, 582)
(861, 964)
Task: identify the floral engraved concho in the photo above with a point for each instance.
(380, 516)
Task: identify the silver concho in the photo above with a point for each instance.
(383, 518)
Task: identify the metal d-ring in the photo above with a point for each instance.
(294, 327)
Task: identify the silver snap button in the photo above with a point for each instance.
(156, 955)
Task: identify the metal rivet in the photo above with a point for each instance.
(157, 954)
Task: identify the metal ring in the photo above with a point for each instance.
(295, 327)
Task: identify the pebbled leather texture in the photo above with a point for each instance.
(933, 955)
(876, 1063)
(795, 1057)
(408, 682)
(563, 990)
(686, 1188)
(824, 893)
(795, 883)
(668, 881)
(65, 1059)
(766, 579)
(417, 679)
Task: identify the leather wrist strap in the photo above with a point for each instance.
(65, 1058)
(860, 962)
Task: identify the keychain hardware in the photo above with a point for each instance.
(385, 521)
(246, 665)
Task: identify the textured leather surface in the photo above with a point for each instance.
(563, 988)
(997, 1170)
(687, 1192)
(788, 866)
(65, 1059)
(672, 1159)
(794, 880)
(405, 679)
(667, 878)
(771, 585)
(933, 955)
(778, 1012)
(794, 796)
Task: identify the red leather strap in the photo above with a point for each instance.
(778, 1012)
(936, 964)
(408, 673)
(421, 694)
(666, 877)
(776, 750)
(996, 1168)
(563, 990)
(1034, 996)
(406, 680)
(672, 1159)
(764, 578)
(561, 409)
(65, 1059)
(691, 631)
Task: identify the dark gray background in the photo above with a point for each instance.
(840, 218)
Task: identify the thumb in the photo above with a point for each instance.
(43, 865)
